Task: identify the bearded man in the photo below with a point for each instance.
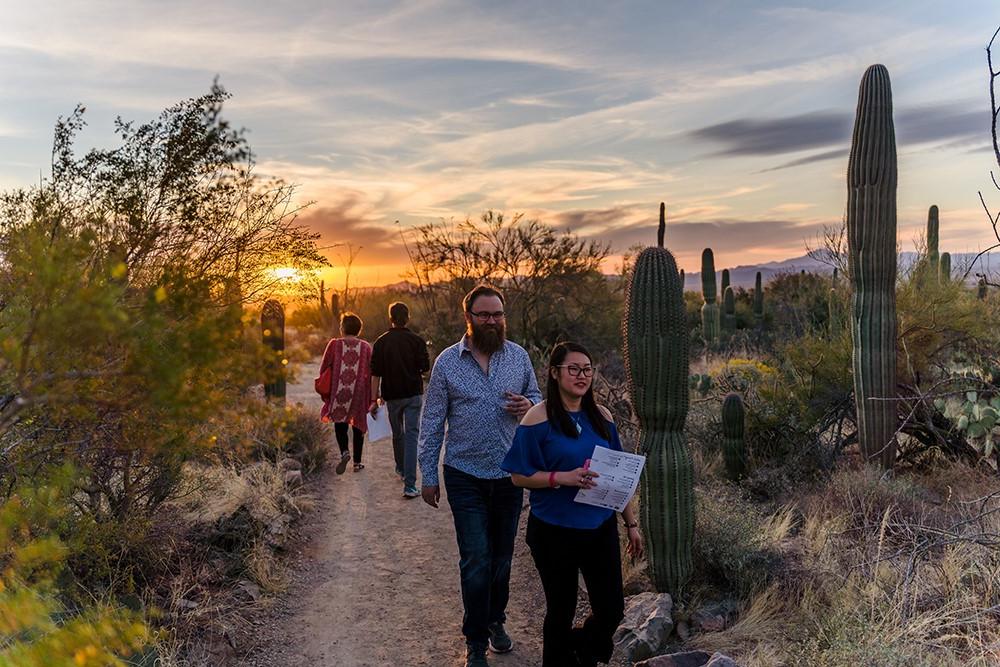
(480, 387)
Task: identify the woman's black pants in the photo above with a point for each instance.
(560, 554)
(340, 429)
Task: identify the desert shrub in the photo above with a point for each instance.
(552, 281)
(37, 629)
(736, 544)
(798, 303)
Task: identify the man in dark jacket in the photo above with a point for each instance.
(399, 359)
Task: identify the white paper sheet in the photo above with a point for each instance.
(378, 426)
(619, 476)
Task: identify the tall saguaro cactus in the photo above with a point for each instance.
(944, 268)
(272, 326)
(725, 283)
(933, 234)
(709, 311)
(733, 443)
(871, 237)
(656, 359)
(729, 310)
(758, 300)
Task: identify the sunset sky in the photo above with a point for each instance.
(583, 114)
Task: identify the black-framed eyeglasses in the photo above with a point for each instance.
(578, 371)
(485, 316)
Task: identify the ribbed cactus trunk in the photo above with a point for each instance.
(944, 269)
(335, 312)
(758, 300)
(729, 310)
(871, 235)
(724, 284)
(656, 360)
(272, 325)
(933, 226)
(709, 311)
(733, 442)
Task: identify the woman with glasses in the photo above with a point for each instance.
(550, 456)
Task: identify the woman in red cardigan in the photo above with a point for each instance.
(349, 359)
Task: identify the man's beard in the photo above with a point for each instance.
(488, 338)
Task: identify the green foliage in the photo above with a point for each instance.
(656, 356)
(35, 628)
(871, 235)
(121, 329)
(798, 303)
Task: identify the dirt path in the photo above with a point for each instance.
(377, 582)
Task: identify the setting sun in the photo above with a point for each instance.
(287, 273)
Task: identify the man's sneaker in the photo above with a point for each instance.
(410, 492)
(342, 466)
(500, 641)
(475, 656)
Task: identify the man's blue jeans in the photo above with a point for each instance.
(486, 513)
(404, 418)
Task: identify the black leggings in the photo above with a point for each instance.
(560, 553)
(340, 428)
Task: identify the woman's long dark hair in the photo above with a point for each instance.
(554, 408)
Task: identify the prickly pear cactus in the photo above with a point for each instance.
(758, 300)
(709, 311)
(733, 443)
(871, 237)
(729, 310)
(944, 268)
(656, 360)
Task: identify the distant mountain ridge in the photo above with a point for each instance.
(744, 276)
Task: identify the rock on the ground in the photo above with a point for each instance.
(685, 659)
(289, 464)
(720, 660)
(293, 478)
(646, 628)
(708, 622)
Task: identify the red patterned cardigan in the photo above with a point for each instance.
(350, 360)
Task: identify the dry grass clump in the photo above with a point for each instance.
(736, 543)
(873, 571)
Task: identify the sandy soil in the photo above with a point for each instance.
(377, 580)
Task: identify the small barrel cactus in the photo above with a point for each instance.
(656, 361)
(709, 311)
(758, 300)
(729, 310)
(733, 442)
(871, 238)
